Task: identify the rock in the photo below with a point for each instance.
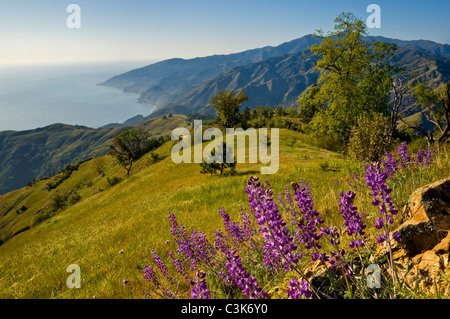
(425, 238)
(428, 218)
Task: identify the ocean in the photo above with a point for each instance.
(37, 96)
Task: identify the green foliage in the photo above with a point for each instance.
(129, 146)
(63, 175)
(226, 169)
(310, 103)
(41, 216)
(368, 138)
(329, 166)
(21, 209)
(114, 180)
(58, 202)
(436, 108)
(101, 166)
(227, 105)
(354, 79)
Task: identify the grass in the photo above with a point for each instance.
(133, 216)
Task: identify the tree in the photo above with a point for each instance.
(213, 167)
(435, 107)
(227, 105)
(354, 79)
(129, 146)
(309, 103)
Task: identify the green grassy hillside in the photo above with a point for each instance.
(32, 154)
(132, 216)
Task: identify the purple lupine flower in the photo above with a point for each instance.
(390, 165)
(420, 157)
(159, 263)
(353, 220)
(240, 233)
(379, 223)
(150, 275)
(279, 246)
(336, 261)
(396, 236)
(200, 289)
(307, 223)
(429, 157)
(283, 204)
(194, 248)
(162, 267)
(200, 245)
(355, 180)
(242, 278)
(179, 264)
(424, 157)
(247, 228)
(403, 153)
(376, 180)
(298, 289)
(220, 242)
(336, 258)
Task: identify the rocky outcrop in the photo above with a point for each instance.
(422, 255)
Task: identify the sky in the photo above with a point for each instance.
(37, 32)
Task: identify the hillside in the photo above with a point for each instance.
(108, 232)
(271, 75)
(131, 216)
(33, 154)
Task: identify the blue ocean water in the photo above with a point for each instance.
(37, 96)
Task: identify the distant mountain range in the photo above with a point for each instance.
(270, 76)
(274, 76)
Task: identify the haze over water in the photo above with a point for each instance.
(37, 96)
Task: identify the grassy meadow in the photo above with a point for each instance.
(132, 215)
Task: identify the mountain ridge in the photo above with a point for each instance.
(175, 88)
(33, 154)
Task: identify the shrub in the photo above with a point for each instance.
(114, 180)
(368, 138)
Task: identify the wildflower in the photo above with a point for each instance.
(180, 264)
(150, 275)
(424, 157)
(310, 220)
(240, 277)
(376, 180)
(336, 258)
(238, 232)
(353, 220)
(429, 157)
(124, 282)
(200, 289)
(194, 248)
(390, 165)
(160, 264)
(121, 252)
(279, 246)
(405, 158)
(298, 289)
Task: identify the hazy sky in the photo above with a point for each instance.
(34, 31)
